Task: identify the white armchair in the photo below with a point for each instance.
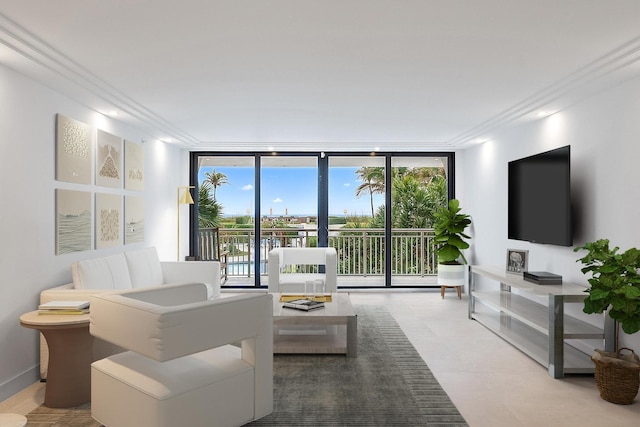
(282, 258)
(180, 368)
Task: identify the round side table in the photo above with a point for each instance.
(70, 356)
(12, 420)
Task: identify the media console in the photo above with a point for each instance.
(532, 318)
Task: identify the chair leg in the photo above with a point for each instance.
(442, 288)
(459, 290)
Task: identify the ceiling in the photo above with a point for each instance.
(341, 75)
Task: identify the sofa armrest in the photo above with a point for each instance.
(166, 332)
(68, 293)
(275, 260)
(207, 272)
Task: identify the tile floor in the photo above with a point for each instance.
(491, 383)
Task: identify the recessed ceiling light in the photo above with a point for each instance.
(114, 113)
(543, 113)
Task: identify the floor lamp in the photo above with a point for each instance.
(184, 198)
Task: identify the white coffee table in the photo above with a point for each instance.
(329, 330)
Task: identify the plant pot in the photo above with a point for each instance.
(617, 375)
(451, 274)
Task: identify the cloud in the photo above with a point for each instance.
(247, 187)
(347, 184)
(277, 200)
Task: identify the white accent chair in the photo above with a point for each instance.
(137, 268)
(181, 369)
(283, 259)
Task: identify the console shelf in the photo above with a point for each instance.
(533, 319)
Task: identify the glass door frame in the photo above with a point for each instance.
(323, 196)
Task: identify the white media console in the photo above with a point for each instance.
(532, 318)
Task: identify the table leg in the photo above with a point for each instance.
(352, 336)
(69, 371)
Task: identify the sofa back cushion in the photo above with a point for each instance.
(144, 268)
(304, 256)
(110, 272)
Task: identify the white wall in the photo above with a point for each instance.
(28, 263)
(603, 132)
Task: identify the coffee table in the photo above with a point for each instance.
(70, 356)
(329, 330)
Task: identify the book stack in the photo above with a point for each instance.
(304, 304)
(64, 307)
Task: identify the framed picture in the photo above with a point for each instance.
(74, 150)
(73, 221)
(133, 219)
(109, 222)
(108, 160)
(517, 261)
(134, 166)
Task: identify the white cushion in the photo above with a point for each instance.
(163, 380)
(110, 272)
(144, 268)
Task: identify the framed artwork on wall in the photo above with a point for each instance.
(517, 261)
(133, 166)
(108, 160)
(74, 150)
(73, 221)
(133, 219)
(108, 220)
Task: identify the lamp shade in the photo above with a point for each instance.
(185, 198)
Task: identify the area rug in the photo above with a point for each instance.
(388, 384)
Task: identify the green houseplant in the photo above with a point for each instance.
(449, 226)
(614, 283)
(614, 286)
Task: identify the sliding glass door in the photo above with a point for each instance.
(357, 218)
(376, 209)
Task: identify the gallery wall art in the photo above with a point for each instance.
(88, 219)
(73, 221)
(108, 160)
(134, 166)
(134, 219)
(109, 220)
(74, 150)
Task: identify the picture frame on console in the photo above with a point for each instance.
(517, 261)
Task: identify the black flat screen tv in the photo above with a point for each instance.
(539, 198)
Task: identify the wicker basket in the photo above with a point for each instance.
(617, 375)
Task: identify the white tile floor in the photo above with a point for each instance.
(491, 383)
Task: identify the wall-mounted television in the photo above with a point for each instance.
(539, 198)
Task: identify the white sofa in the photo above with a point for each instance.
(283, 259)
(180, 369)
(139, 268)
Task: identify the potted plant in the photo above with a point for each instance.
(614, 286)
(450, 226)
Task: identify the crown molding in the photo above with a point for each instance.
(54, 65)
(605, 71)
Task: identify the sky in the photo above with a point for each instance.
(290, 191)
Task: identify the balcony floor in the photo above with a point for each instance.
(376, 282)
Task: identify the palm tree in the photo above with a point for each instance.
(373, 183)
(209, 210)
(216, 179)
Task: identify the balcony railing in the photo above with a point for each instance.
(361, 251)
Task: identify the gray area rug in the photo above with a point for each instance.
(388, 384)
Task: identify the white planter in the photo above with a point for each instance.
(451, 275)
